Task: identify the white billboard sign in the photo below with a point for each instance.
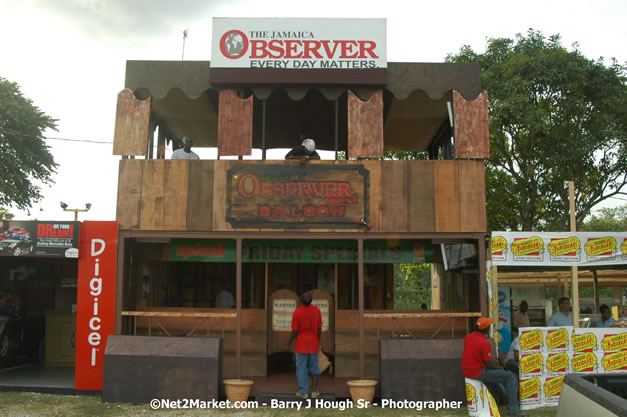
(305, 43)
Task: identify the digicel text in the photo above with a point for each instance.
(311, 49)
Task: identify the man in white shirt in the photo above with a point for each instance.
(186, 151)
(563, 316)
(225, 299)
(512, 360)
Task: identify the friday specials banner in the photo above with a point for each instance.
(302, 251)
(559, 249)
(549, 353)
(290, 43)
(95, 316)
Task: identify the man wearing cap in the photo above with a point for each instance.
(304, 151)
(186, 151)
(477, 363)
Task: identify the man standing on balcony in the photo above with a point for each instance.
(304, 151)
(306, 329)
(186, 151)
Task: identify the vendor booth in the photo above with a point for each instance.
(548, 354)
(267, 231)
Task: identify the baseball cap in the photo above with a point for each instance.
(187, 139)
(484, 322)
(309, 144)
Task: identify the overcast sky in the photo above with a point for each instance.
(69, 57)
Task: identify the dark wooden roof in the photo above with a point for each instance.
(414, 103)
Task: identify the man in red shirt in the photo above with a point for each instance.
(477, 363)
(306, 329)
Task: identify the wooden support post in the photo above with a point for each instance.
(483, 273)
(238, 306)
(435, 288)
(595, 279)
(161, 141)
(263, 129)
(119, 287)
(360, 285)
(574, 272)
(495, 296)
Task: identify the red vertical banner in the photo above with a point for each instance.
(95, 316)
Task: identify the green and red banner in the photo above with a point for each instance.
(302, 251)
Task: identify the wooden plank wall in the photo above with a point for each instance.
(200, 197)
(131, 125)
(405, 196)
(472, 137)
(129, 193)
(446, 193)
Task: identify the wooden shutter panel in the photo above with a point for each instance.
(365, 126)
(131, 125)
(235, 124)
(472, 138)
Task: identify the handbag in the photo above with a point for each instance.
(324, 363)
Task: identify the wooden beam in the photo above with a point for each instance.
(238, 307)
(360, 286)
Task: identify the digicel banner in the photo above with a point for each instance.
(299, 43)
(95, 317)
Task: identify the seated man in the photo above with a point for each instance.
(563, 316)
(512, 360)
(304, 151)
(606, 316)
(477, 364)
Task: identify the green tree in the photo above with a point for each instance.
(4, 214)
(412, 286)
(555, 116)
(607, 220)
(25, 157)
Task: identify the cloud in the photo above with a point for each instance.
(135, 19)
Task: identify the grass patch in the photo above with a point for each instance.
(26, 404)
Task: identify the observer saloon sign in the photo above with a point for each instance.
(297, 44)
(287, 196)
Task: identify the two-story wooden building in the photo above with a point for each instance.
(270, 230)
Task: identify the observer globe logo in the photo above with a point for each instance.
(233, 44)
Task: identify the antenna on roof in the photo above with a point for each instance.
(184, 37)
